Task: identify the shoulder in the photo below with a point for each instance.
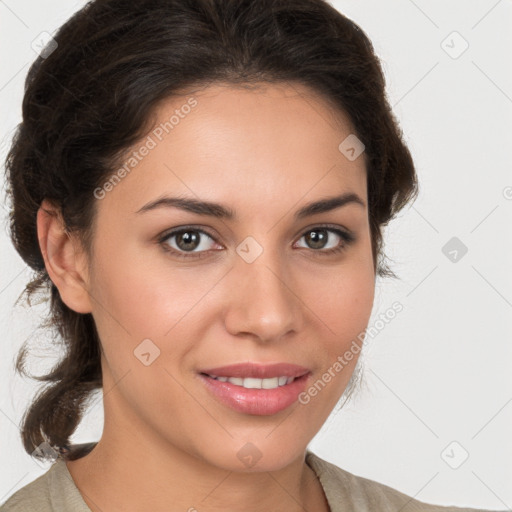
(53, 491)
(34, 497)
(346, 491)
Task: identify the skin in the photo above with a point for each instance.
(264, 153)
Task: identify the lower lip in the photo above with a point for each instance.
(256, 401)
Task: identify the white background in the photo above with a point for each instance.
(440, 371)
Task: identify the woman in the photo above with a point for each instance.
(202, 186)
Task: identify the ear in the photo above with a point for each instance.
(65, 263)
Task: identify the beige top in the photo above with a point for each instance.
(55, 491)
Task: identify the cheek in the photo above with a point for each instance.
(150, 311)
(342, 312)
(347, 318)
(141, 292)
(344, 297)
(140, 313)
(344, 308)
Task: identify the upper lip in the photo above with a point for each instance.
(257, 371)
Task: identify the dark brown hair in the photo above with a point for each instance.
(90, 99)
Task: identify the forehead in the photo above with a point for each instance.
(242, 147)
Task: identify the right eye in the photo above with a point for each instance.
(187, 242)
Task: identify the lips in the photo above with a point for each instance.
(255, 401)
(257, 371)
(257, 389)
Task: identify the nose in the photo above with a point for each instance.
(263, 302)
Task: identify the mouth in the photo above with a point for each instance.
(256, 389)
(255, 383)
(257, 371)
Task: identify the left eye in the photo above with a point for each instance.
(317, 238)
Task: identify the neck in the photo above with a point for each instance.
(153, 474)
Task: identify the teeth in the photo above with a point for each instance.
(252, 383)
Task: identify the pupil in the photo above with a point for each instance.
(318, 238)
(187, 238)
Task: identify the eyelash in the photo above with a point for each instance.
(346, 237)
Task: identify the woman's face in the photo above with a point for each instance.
(263, 286)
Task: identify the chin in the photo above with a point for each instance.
(253, 457)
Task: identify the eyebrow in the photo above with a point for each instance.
(222, 212)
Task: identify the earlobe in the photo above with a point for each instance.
(65, 264)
